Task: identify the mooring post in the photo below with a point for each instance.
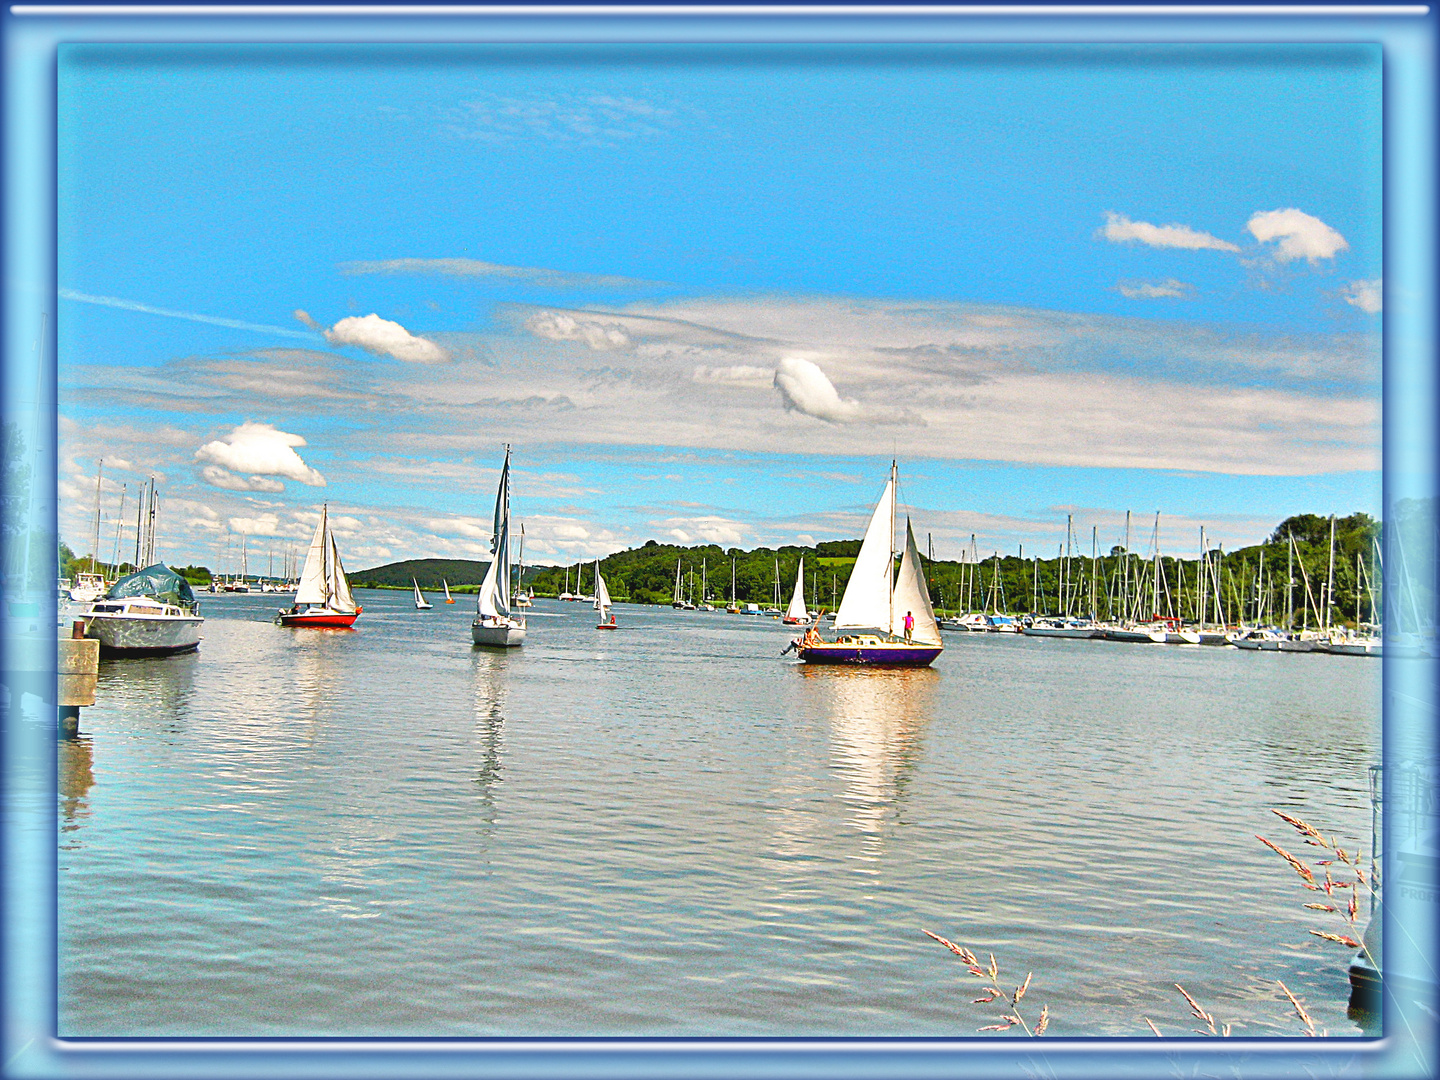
(77, 670)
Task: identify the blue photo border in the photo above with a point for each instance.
(32, 33)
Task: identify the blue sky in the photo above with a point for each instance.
(707, 292)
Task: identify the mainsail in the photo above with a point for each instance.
(912, 595)
(602, 594)
(866, 603)
(323, 582)
(796, 611)
(312, 578)
(494, 599)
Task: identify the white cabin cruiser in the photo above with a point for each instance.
(149, 613)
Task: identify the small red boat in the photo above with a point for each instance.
(323, 599)
(318, 617)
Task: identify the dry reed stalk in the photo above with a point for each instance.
(1351, 938)
(990, 975)
(1305, 1017)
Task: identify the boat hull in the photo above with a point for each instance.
(1145, 637)
(140, 636)
(497, 636)
(884, 654)
(1060, 632)
(335, 620)
(1354, 648)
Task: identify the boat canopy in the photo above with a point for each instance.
(158, 581)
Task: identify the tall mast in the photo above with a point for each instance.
(325, 548)
(95, 550)
(1125, 578)
(890, 566)
(139, 513)
(120, 527)
(1330, 575)
(1094, 555)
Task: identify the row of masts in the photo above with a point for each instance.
(1135, 592)
(147, 503)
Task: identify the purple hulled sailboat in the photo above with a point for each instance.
(893, 622)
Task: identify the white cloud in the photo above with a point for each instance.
(530, 275)
(222, 478)
(1365, 295)
(709, 530)
(262, 525)
(260, 450)
(304, 316)
(806, 539)
(1301, 236)
(1145, 290)
(558, 326)
(385, 338)
(1120, 229)
(735, 373)
(807, 389)
(570, 532)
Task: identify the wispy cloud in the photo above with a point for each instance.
(474, 268)
(169, 313)
(596, 119)
(1157, 290)
(1368, 296)
(1119, 229)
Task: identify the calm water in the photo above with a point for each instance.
(669, 829)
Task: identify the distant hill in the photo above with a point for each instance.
(459, 573)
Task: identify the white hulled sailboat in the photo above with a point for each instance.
(421, 604)
(494, 625)
(602, 602)
(796, 614)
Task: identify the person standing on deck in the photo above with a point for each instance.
(909, 626)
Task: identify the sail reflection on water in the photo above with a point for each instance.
(488, 670)
(876, 717)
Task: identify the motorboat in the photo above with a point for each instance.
(152, 612)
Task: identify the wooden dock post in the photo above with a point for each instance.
(77, 669)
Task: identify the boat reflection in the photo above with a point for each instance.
(163, 686)
(75, 776)
(317, 682)
(488, 672)
(876, 717)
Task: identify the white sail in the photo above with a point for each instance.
(602, 595)
(494, 599)
(312, 578)
(485, 602)
(796, 610)
(866, 603)
(911, 595)
(446, 586)
(341, 599)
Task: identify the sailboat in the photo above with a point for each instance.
(446, 586)
(323, 598)
(796, 614)
(602, 602)
(734, 608)
(421, 604)
(521, 599)
(875, 603)
(494, 625)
